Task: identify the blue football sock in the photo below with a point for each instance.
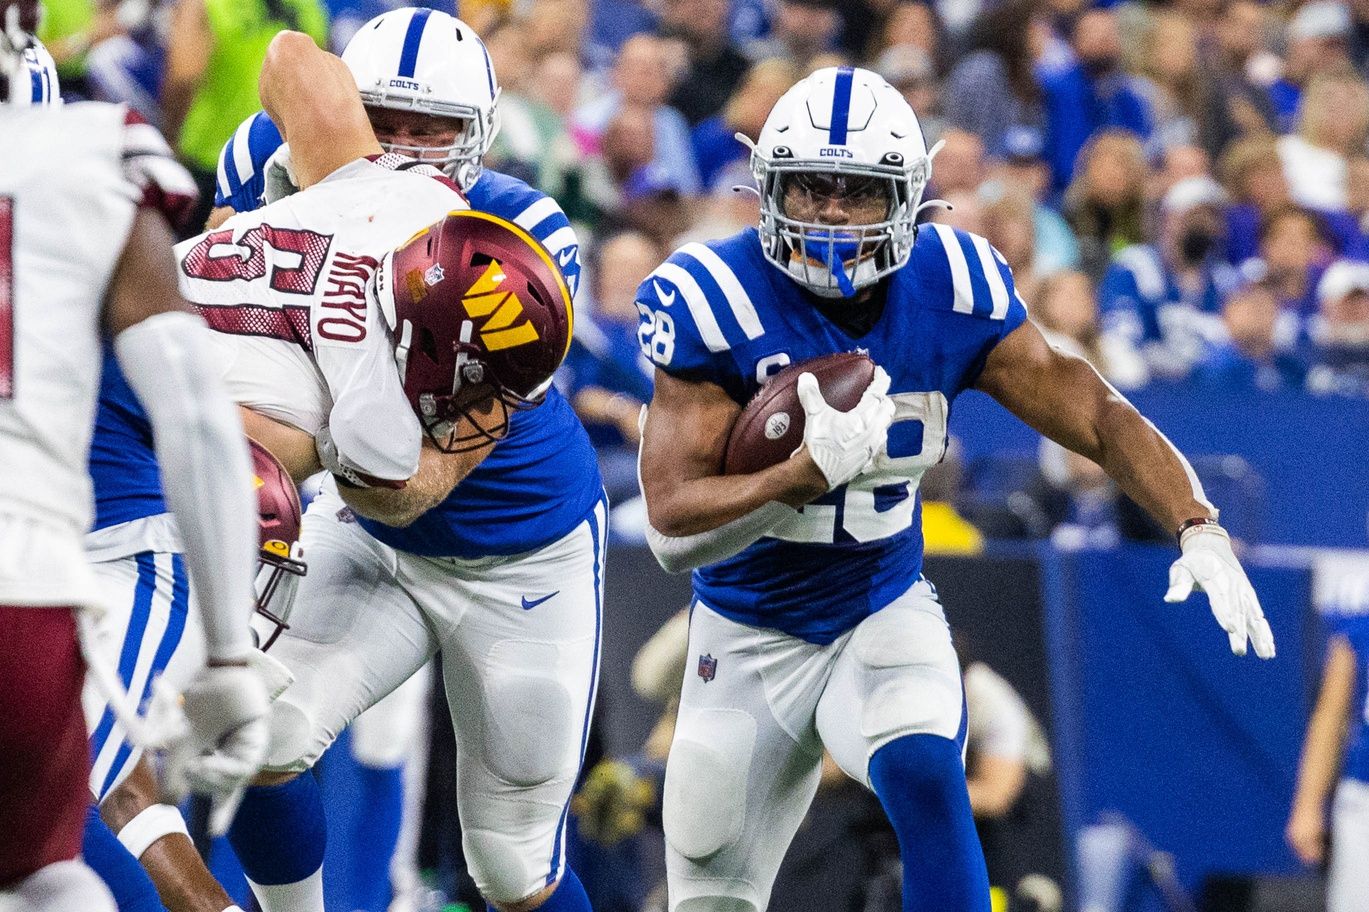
(569, 896)
(133, 890)
(280, 832)
(920, 780)
(376, 833)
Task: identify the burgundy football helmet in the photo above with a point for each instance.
(278, 525)
(481, 317)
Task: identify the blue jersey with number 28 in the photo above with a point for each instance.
(720, 313)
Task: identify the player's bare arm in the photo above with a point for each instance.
(293, 447)
(183, 882)
(1063, 397)
(205, 472)
(1306, 831)
(682, 455)
(312, 97)
(438, 473)
(187, 59)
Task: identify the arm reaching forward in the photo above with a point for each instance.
(1064, 398)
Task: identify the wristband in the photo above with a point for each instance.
(1191, 524)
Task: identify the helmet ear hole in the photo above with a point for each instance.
(536, 294)
(427, 343)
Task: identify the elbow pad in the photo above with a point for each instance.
(206, 474)
(677, 554)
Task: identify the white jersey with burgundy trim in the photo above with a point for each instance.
(287, 288)
(71, 179)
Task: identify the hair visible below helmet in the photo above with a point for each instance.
(278, 524)
(481, 318)
(28, 75)
(847, 123)
(428, 61)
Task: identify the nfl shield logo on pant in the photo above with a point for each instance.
(708, 667)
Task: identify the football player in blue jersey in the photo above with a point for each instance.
(1337, 748)
(517, 543)
(812, 625)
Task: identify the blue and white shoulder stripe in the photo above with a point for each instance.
(241, 175)
(533, 211)
(979, 278)
(718, 302)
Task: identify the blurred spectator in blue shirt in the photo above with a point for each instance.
(715, 140)
(1089, 94)
(606, 375)
(800, 30)
(1164, 299)
(1340, 332)
(612, 22)
(1293, 253)
(993, 89)
(1241, 66)
(1252, 357)
(641, 78)
(1318, 41)
(714, 64)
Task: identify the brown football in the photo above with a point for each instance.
(770, 428)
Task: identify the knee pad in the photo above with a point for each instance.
(531, 724)
(295, 745)
(705, 788)
(912, 678)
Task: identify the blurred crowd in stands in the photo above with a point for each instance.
(1181, 189)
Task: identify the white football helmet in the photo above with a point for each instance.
(28, 75)
(848, 129)
(426, 60)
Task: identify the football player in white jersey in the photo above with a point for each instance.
(81, 258)
(475, 315)
(430, 92)
(812, 625)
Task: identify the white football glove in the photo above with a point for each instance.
(222, 741)
(844, 444)
(279, 175)
(1209, 564)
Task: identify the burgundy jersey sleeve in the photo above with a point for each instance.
(163, 182)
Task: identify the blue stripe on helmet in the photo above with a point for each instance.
(408, 56)
(36, 81)
(489, 66)
(841, 107)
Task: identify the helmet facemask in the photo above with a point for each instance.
(463, 159)
(279, 569)
(836, 261)
(440, 414)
